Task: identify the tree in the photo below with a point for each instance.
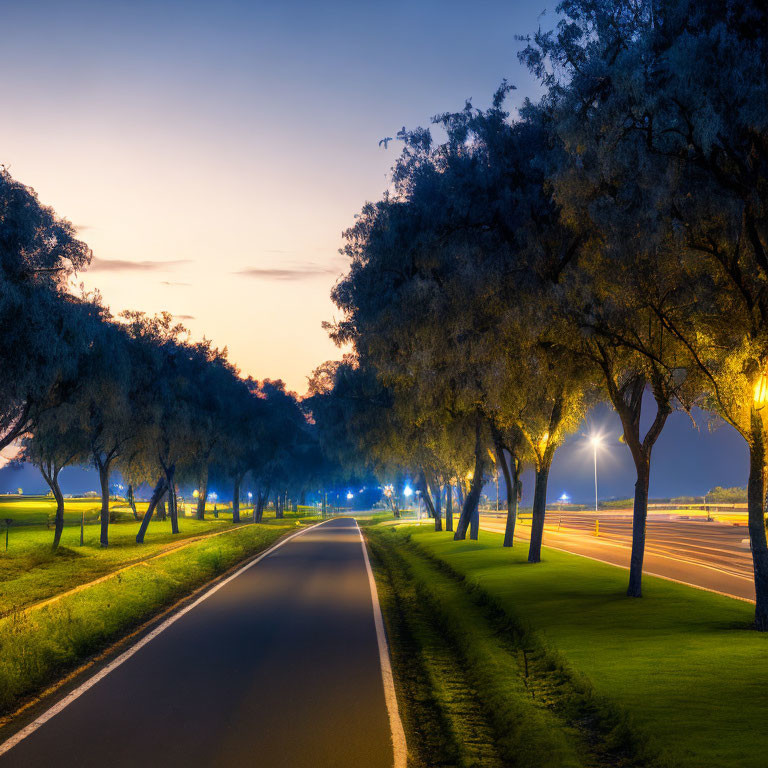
(57, 442)
(38, 346)
(103, 402)
(164, 379)
(656, 101)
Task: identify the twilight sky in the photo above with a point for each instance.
(212, 153)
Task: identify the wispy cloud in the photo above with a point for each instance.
(185, 317)
(125, 265)
(295, 272)
(171, 282)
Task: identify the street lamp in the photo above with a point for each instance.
(407, 491)
(761, 391)
(596, 441)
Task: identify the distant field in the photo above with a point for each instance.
(39, 510)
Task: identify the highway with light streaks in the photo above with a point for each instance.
(712, 555)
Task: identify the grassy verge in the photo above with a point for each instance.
(31, 572)
(39, 645)
(476, 691)
(682, 664)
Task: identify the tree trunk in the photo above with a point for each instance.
(511, 474)
(203, 491)
(103, 468)
(513, 499)
(258, 510)
(51, 476)
(162, 513)
(278, 507)
(474, 525)
(627, 401)
(639, 517)
(427, 496)
(756, 520)
(173, 502)
(157, 494)
(438, 497)
(236, 500)
(132, 502)
(539, 510)
(469, 510)
(460, 495)
(448, 507)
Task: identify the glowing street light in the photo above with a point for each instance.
(761, 391)
(596, 441)
(408, 491)
(350, 495)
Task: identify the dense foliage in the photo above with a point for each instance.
(607, 242)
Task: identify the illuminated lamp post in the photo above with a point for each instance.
(596, 441)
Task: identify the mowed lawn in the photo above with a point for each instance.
(682, 662)
(31, 572)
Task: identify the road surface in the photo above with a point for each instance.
(705, 554)
(279, 667)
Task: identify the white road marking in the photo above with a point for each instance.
(649, 573)
(123, 657)
(649, 550)
(395, 724)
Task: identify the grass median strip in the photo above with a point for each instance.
(39, 645)
(683, 664)
(479, 693)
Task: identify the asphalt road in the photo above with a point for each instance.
(706, 554)
(279, 667)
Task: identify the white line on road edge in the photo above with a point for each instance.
(651, 573)
(395, 724)
(679, 560)
(123, 657)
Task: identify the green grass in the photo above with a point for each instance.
(39, 510)
(31, 572)
(468, 695)
(683, 663)
(39, 645)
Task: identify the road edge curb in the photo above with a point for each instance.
(399, 746)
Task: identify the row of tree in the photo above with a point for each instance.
(131, 393)
(610, 242)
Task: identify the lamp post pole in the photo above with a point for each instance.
(595, 454)
(595, 440)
